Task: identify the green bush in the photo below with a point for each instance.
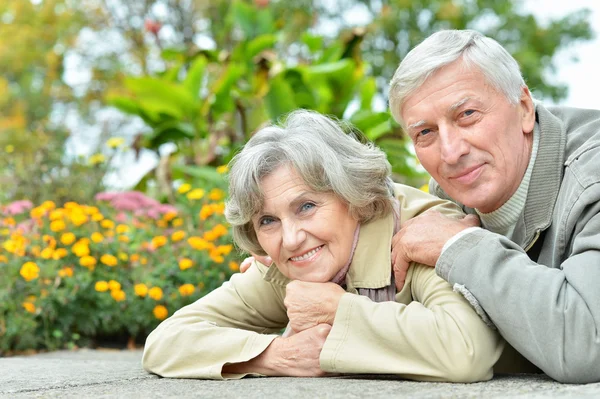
(76, 274)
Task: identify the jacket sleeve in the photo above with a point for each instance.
(550, 315)
(232, 324)
(437, 337)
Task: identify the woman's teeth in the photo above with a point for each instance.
(306, 255)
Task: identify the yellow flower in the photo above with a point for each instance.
(97, 237)
(71, 205)
(222, 169)
(177, 222)
(210, 236)
(81, 248)
(29, 307)
(101, 286)
(178, 235)
(3, 259)
(233, 266)
(66, 272)
(88, 261)
(37, 213)
(59, 253)
(107, 224)
(196, 194)
(140, 289)
(48, 205)
(199, 243)
(57, 214)
(115, 142)
(155, 293)
(90, 210)
(109, 260)
(123, 256)
(118, 295)
(97, 159)
(184, 188)
(49, 240)
(134, 257)
(122, 228)
(9, 148)
(220, 230)
(114, 285)
(425, 187)
(78, 218)
(123, 238)
(57, 225)
(143, 260)
(162, 223)
(159, 241)
(218, 208)
(47, 253)
(186, 290)
(214, 255)
(67, 238)
(216, 194)
(160, 312)
(29, 271)
(96, 217)
(185, 263)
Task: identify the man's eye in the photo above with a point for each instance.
(469, 112)
(424, 132)
(307, 206)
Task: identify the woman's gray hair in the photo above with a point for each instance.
(500, 69)
(323, 154)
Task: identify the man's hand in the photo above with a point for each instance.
(246, 263)
(296, 356)
(311, 304)
(422, 238)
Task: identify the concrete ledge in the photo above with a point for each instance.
(98, 374)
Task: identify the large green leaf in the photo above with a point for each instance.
(262, 42)
(171, 132)
(203, 173)
(222, 89)
(367, 119)
(340, 71)
(368, 89)
(280, 98)
(244, 16)
(157, 90)
(193, 80)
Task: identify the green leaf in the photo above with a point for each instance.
(313, 42)
(171, 131)
(368, 89)
(244, 15)
(379, 130)
(222, 89)
(280, 98)
(193, 80)
(367, 119)
(204, 173)
(262, 42)
(157, 91)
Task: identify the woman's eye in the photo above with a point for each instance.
(307, 206)
(265, 221)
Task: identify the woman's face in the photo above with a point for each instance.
(309, 235)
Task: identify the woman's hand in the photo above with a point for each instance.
(296, 356)
(246, 263)
(311, 304)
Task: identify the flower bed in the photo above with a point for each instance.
(72, 274)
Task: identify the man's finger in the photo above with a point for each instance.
(400, 271)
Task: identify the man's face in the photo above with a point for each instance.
(468, 136)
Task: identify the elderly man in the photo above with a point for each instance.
(531, 173)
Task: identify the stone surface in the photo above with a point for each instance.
(109, 374)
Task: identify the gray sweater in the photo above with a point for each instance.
(546, 306)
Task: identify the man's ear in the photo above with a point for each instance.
(527, 110)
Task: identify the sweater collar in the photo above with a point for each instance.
(371, 265)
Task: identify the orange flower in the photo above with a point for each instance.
(66, 272)
(118, 295)
(224, 249)
(220, 230)
(123, 238)
(186, 289)
(167, 217)
(37, 213)
(233, 266)
(177, 222)
(59, 253)
(101, 286)
(214, 255)
(205, 212)
(199, 243)
(178, 235)
(29, 307)
(29, 271)
(114, 285)
(109, 260)
(155, 293)
(216, 194)
(140, 289)
(185, 263)
(134, 257)
(57, 214)
(122, 228)
(160, 312)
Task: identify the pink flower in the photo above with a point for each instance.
(18, 207)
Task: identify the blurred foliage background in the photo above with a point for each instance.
(156, 96)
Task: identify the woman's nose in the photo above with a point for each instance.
(293, 235)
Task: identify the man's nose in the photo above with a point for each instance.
(293, 235)
(453, 145)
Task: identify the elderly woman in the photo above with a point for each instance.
(323, 207)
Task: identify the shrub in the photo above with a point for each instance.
(74, 274)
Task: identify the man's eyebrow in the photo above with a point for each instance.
(458, 104)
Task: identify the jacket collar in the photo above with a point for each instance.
(371, 265)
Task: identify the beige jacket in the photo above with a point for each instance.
(429, 333)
